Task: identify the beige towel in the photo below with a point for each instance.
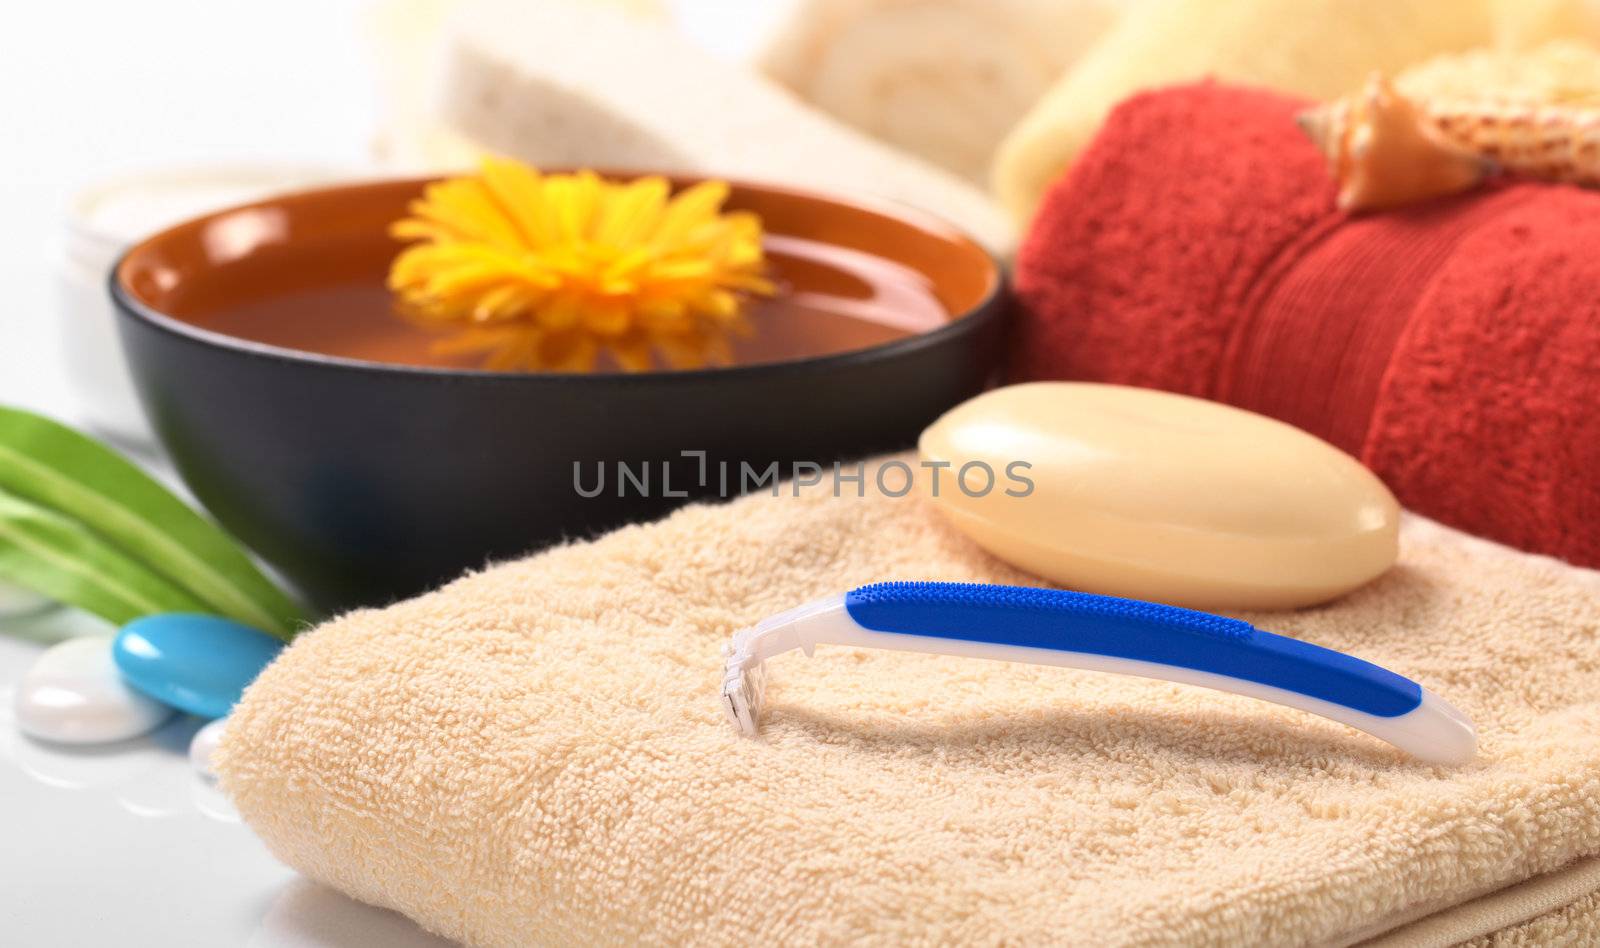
(943, 79)
(1575, 926)
(536, 754)
(1558, 908)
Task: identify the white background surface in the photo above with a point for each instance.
(122, 846)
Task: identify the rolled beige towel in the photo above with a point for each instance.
(942, 79)
(562, 84)
(1316, 48)
(538, 754)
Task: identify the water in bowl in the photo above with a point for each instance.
(332, 300)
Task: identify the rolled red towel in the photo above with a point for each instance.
(1453, 347)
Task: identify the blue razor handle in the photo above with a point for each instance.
(1130, 629)
(1107, 634)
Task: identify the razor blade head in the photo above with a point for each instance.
(743, 688)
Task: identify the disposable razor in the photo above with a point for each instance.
(1103, 633)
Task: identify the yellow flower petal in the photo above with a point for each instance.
(569, 352)
(544, 271)
(519, 189)
(632, 212)
(606, 318)
(632, 355)
(559, 312)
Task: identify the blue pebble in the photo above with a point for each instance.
(195, 663)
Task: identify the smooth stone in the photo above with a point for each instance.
(1152, 495)
(73, 694)
(204, 745)
(195, 663)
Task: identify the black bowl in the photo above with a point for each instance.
(363, 482)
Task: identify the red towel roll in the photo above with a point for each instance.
(1453, 347)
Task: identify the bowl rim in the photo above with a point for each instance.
(986, 309)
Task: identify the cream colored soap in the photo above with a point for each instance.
(1158, 496)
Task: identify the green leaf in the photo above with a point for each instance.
(57, 557)
(56, 467)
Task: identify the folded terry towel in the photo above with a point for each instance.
(1453, 347)
(537, 754)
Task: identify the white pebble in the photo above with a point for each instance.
(204, 745)
(73, 694)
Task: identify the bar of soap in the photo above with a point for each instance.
(1151, 495)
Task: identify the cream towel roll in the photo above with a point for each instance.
(537, 754)
(558, 84)
(1316, 48)
(942, 79)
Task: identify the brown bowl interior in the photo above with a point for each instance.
(259, 255)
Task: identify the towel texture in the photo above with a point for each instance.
(1558, 908)
(536, 754)
(1452, 347)
(943, 79)
(1575, 926)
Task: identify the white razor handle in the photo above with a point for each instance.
(1104, 633)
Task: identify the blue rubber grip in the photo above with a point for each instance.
(1128, 628)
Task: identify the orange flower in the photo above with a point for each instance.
(545, 272)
